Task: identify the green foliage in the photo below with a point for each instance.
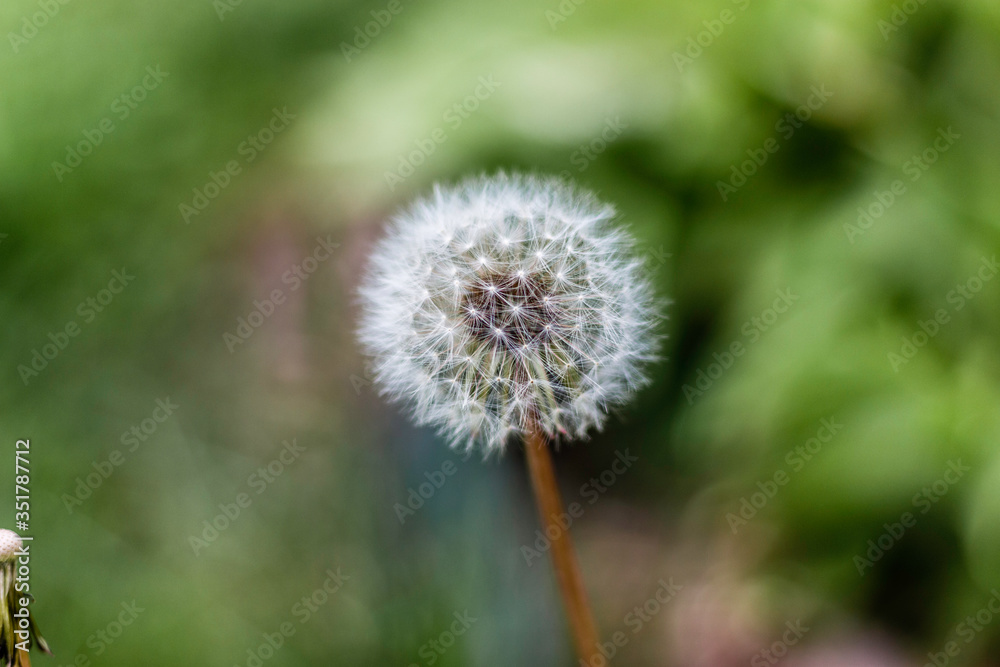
(875, 212)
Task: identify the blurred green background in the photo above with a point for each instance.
(814, 185)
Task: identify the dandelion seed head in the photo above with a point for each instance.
(507, 303)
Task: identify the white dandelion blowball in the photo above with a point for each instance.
(508, 303)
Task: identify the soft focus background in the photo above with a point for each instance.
(814, 185)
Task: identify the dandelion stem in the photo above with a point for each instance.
(550, 508)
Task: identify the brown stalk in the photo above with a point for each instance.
(550, 508)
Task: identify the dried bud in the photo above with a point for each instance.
(18, 630)
(10, 544)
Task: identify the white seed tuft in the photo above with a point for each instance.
(504, 302)
(10, 545)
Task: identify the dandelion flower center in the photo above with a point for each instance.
(514, 305)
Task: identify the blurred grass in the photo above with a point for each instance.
(784, 229)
